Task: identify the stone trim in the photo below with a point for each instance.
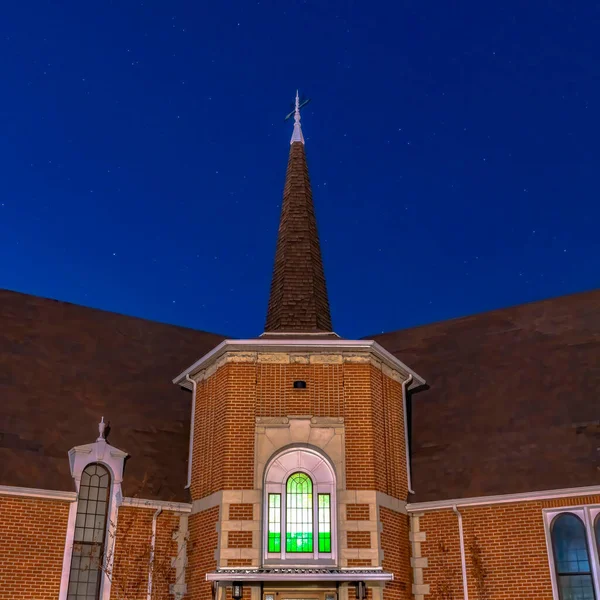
(180, 561)
(375, 500)
(182, 507)
(297, 351)
(417, 561)
(224, 499)
(273, 434)
(10, 490)
(207, 502)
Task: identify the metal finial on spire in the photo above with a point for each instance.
(297, 134)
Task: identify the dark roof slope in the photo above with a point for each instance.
(514, 399)
(63, 366)
(298, 300)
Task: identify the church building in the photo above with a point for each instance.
(453, 461)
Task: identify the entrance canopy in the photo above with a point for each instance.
(299, 574)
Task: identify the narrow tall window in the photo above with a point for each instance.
(299, 514)
(90, 532)
(324, 523)
(571, 558)
(274, 522)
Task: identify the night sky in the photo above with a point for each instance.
(453, 148)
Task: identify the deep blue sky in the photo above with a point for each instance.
(454, 152)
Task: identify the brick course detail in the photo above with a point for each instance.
(357, 512)
(239, 539)
(240, 512)
(359, 539)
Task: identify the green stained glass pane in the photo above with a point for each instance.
(274, 533)
(324, 503)
(299, 514)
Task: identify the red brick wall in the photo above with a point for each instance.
(32, 545)
(132, 554)
(442, 550)
(396, 554)
(358, 419)
(202, 544)
(239, 539)
(359, 539)
(240, 512)
(322, 397)
(357, 512)
(511, 544)
(228, 402)
(375, 446)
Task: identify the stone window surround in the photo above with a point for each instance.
(588, 514)
(79, 458)
(319, 468)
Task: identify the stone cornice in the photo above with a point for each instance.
(318, 352)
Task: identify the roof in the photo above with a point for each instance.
(298, 300)
(513, 402)
(63, 366)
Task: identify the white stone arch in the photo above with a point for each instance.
(317, 465)
(113, 459)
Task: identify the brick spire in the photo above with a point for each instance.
(298, 301)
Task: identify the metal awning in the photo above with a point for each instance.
(299, 574)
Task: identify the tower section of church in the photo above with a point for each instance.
(299, 469)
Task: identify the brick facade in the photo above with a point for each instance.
(357, 512)
(132, 554)
(396, 554)
(351, 409)
(505, 550)
(32, 545)
(201, 552)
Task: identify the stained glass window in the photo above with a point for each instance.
(571, 558)
(299, 514)
(324, 523)
(90, 530)
(274, 522)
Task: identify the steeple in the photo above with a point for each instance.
(298, 301)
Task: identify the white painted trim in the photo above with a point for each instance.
(194, 383)
(587, 514)
(111, 540)
(155, 504)
(9, 490)
(550, 555)
(504, 498)
(113, 459)
(299, 333)
(66, 568)
(405, 385)
(152, 549)
(290, 460)
(337, 576)
(254, 345)
(463, 560)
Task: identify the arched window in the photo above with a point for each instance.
(299, 512)
(90, 533)
(571, 558)
(299, 507)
